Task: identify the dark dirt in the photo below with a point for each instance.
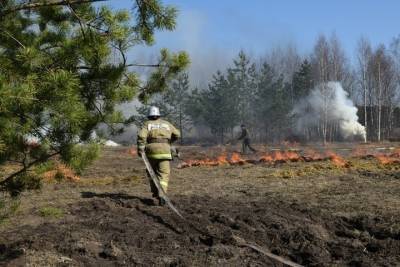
(118, 229)
(341, 218)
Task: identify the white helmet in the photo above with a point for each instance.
(154, 112)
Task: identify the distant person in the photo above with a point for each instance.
(154, 139)
(245, 137)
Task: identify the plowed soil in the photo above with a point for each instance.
(314, 214)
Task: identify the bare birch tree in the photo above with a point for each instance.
(321, 71)
(383, 80)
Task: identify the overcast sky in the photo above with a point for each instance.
(213, 31)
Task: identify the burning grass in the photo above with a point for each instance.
(382, 158)
(60, 171)
(132, 151)
(287, 156)
(274, 157)
(389, 158)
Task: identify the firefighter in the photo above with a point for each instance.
(154, 139)
(246, 140)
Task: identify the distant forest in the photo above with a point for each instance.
(261, 92)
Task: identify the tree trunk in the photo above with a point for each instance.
(325, 119)
(365, 104)
(379, 102)
(371, 111)
(180, 126)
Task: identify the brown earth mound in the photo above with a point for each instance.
(119, 229)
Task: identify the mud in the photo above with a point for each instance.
(114, 229)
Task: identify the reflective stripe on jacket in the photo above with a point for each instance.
(153, 130)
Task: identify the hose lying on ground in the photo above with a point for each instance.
(239, 241)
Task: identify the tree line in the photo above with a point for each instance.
(261, 92)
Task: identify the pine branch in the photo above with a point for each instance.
(12, 37)
(46, 3)
(143, 65)
(22, 97)
(79, 18)
(25, 168)
(128, 65)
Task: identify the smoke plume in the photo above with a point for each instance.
(328, 103)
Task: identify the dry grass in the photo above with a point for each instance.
(363, 186)
(51, 212)
(109, 180)
(60, 171)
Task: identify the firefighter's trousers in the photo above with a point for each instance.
(161, 168)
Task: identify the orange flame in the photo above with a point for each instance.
(312, 155)
(336, 159)
(308, 155)
(281, 156)
(236, 159)
(359, 152)
(62, 169)
(222, 159)
(132, 151)
(388, 159)
(288, 156)
(266, 158)
(383, 159)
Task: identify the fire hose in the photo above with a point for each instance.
(239, 240)
(161, 191)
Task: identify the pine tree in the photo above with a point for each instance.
(242, 79)
(279, 110)
(63, 70)
(263, 100)
(302, 80)
(215, 107)
(177, 98)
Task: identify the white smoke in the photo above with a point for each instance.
(331, 102)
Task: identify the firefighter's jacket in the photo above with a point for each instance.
(244, 135)
(155, 138)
